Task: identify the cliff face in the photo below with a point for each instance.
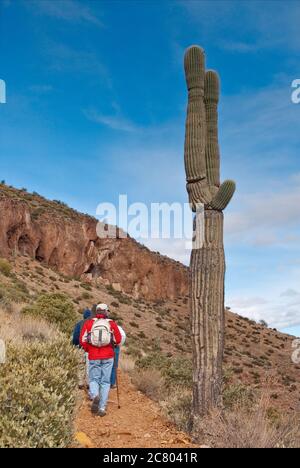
(67, 241)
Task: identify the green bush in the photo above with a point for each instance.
(15, 292)
(176, 371)
(238, 394)
(37, 394)
(134, 324)
(57, 308)
(5, 267)
(86, 296)
(178, 408)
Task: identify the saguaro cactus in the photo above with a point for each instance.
(207, 267)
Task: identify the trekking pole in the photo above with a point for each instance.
(117, 381)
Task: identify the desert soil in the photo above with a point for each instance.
(138, 423)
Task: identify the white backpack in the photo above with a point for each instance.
(100, 334)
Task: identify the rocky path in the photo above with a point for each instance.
(138, 423)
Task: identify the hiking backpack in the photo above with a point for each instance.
(100, 334)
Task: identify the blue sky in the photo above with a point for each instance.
(95, 108)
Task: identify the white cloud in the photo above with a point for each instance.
(290, 293)
(277, 313)
(68, 10)
(248, 302)
(267, 218)
(239, 46)
(173, 248)
(114, 122)
(63, 58)
(276, 302)
(269, 24)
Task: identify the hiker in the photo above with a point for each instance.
(78, 327)
(93, 309)
(84, 363)
(113, 378)
(98, 337)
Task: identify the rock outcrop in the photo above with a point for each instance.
(66, 241)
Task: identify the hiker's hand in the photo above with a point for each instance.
(201, 151)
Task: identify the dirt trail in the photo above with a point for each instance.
(137, 424)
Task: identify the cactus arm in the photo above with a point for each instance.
(212, 154)
(223, 196)
(195, 134)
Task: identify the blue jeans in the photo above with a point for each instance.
(99, 378)
(113, 372)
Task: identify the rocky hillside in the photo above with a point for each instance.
(158, 331)
(66, 241)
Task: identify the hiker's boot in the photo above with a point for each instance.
(95, 405)
(101, 412)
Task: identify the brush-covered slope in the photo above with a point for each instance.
(159, 332)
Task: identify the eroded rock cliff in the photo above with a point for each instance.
(66, 240)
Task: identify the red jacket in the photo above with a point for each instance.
(106, 352)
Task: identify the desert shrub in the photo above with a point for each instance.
(86, 296)
(37, 394)
(238, 394)
(5, 267)
(249, 421)
(150, 382)
(14, 292)
(39, 270)
(118, 295)
(134, 324)
(57, 308)
(162, 327)
(177, 407)
(21, 288)
(124, 299)
(263, 323)
(114, 316)
(176, 371)
(133, 350)
(241, 428)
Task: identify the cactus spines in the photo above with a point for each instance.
(207, 267)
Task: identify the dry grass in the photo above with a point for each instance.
(15, 328)
(177, 407)
(5, 267)
(244, 428)
(126, 364)
(150, 382)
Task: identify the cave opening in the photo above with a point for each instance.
(25, 245)
(39, 256)
(94, 270)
